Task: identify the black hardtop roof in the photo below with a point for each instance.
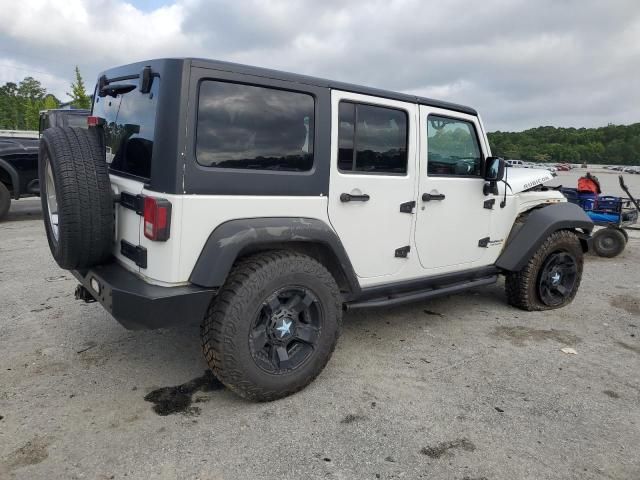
(308, 80)
(322, 82)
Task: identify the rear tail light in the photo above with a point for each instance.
(157, 218)
(93, 121)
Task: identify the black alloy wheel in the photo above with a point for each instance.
(286, 329)
(274, 324)
(557, 278)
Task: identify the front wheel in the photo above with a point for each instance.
(273, 326)
(551, 278)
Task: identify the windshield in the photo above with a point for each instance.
(130, 118)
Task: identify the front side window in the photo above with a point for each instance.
(453, 148)
(371, 139)
(250, 127)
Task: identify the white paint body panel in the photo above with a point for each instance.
(448, 231)
(127, 222)
(443, 236)
(371, 231)
(521, 179)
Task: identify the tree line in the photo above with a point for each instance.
(613, 144)
(21, 103)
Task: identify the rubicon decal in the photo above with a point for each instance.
(537, 181)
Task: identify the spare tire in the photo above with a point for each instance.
(77, 203)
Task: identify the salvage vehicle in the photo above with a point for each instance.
(19, 155)
(613, 213)
(18, 168)
(63, 117)
(266, 203)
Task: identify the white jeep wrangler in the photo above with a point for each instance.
(266, 203)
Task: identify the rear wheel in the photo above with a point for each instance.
(273, 326)
(551, 278)
(609, 242)
(5, 200)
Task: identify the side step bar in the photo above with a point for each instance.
(409, 297)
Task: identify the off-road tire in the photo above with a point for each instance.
(84, 197)
(522, 287)
(5, 201)
(609, 242)
(226, 326)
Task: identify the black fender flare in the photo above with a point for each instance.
(537, 226)
(15, 179)
(238, 237)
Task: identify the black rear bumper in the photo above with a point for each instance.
(137, 304)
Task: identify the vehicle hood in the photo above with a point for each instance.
(521, 179)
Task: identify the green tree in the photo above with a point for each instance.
(51, 102)
(613, 144)
(9, 106)
(79, 97)
(20, 104)
(30, 101)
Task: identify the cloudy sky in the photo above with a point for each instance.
(521, 63)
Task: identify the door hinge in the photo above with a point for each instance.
(134, 252)
(132, 202)
(407, 207)
(488, 204)
(402, 252)
(484, 242)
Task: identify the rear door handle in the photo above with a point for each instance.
(427, 197)
(347, 197)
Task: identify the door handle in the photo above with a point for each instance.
(347, 197)
(427, 197)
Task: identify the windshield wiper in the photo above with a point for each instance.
(114, 90)
(106, 87)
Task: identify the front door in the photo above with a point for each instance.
(452, 220)
(372, 173)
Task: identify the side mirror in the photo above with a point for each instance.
(494, 169)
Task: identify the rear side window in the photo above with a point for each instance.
(453, 148)
(250, 127)
(371, 139)
(129, 128)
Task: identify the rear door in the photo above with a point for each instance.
(452, 223)
(128, 117)
(372, 174)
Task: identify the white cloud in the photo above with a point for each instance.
(522, 64)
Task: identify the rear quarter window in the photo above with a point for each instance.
(251, 127)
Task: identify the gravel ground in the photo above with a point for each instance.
(462, 387)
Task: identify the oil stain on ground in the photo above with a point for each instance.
(443, 448)
(168, 400)
(520, 335)
(31, 453)
(627, 302)
(351, 418)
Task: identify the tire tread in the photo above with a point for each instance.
(519, 286)
(223, 316)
